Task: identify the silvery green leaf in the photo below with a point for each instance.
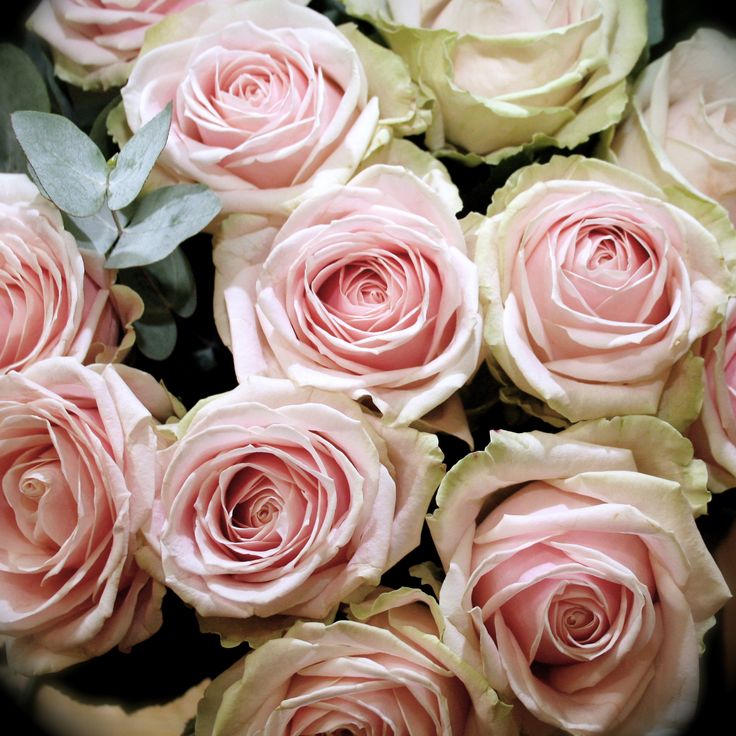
(136, 160)
(163, 219)
(156, 330)
(155, 308)
(175, 281)
(655, 23)
(98, 133)
(70, 167)
(32, 176)
(21, 88)
(96, 232)
(156, 340)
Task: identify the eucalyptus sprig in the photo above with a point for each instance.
(105, 208)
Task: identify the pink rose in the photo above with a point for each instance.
(269, 100)
(389, 672)
(575, 561)
(95, 43)
(283, 500)
(78, 466)
(713, 434)
(682, 123)
(366, 289)
(596, 286)
(53, 300)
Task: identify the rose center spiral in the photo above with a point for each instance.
(38, 480)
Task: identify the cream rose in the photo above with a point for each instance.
(683, 119)
(53, 300)
(282, 500)
(595, 288)
(389, 672)
(78, 467)
(513, 73)
(575, 561)
(366, 289)
(713, 434)
(269, 101)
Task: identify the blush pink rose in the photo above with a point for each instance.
(388, 672)
(575, 561)
(683, 118)
(595, 287)
(269, 100)
(713, 434)
(366, 289)
(283, 500)
(54, 300)
(78, 466)
(95, 42)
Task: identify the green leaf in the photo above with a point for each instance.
(655, 24)
(156, 329)
(96, 232)
(21, 88)
(156, 340)
(70, 167)
(136, 160)
(163, 219)
(175, 282)
(33, 46)
(98, 132)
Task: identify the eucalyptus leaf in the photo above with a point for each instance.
(156, 340)
(156, 329)
(98, 132)
(21, 88)
(136, 160)
(655, 23)
(32, 176)
(175, 282)
(96, 232)
(70, 167)
(163, 219)
(138, 279)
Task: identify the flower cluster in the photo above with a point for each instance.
(434, 227)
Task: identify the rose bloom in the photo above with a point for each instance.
(683, 119)
(595, 288)
(506, 74)
(54, 300)
(269, 100)
(713, 434)
(283, 500)
(388, 672)
(366, 289)
(78, 466)
(575, 561)
(94, 42)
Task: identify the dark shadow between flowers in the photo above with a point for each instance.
(200, 364)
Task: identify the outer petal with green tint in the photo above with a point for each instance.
(679, 131)
(575, 562)
(389, 671)
(506, 77)
(596, 283)
(403, 108)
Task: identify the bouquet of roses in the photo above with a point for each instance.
(367, 367)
